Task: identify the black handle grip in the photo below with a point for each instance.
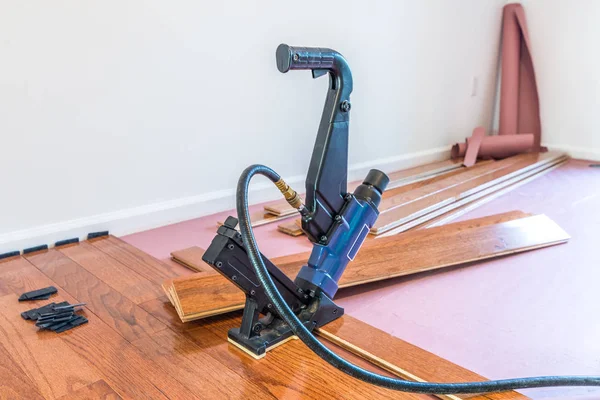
(289, 57)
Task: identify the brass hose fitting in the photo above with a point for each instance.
(290, 194)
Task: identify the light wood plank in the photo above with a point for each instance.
(409, 206)
(473, 201)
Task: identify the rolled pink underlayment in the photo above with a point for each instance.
(496, 146)
(519, 101)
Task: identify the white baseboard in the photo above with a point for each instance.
(150, 216)
(580, 153)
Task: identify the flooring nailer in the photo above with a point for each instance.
(337, 223)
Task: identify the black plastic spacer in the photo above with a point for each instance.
(36, 248)
(66, 241)
(94, 235)
(10, 254)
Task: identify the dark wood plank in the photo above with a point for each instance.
(98, 390)
(205, 295)
(120, 277)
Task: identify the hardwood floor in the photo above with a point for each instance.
(134, 345)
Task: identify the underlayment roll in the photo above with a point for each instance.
(519, 102)
(519, 119)
(497, 146)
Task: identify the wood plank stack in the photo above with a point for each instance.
(279, 210)
(205, 294)
(439, 199)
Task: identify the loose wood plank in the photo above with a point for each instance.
(397, 180)
(458, 208)
(409, 206)
(124, 280)
(201, 296)
(290, 228)
(450, 216)
(99, 390)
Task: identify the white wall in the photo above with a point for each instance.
(125, 115)
(565, 37)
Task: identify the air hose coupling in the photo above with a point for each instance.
(291, 196)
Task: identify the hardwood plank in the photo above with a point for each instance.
(53, 368)
(14, 383)
(475, 203)
(398, 179)
(175, 354)
(311, 378)
(399, 357)
(217, 346)
(409, 206)
(137, 260)
(485, 195)
(454, 244)
(119, 363)
(290, 228)
(465, 175)
(118, 312)
(97, 390)
(124, 280)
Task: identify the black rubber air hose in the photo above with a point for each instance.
(316, 346)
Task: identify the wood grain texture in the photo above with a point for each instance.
(399, 357)
(38, 353)
(200, 296)
(312, 378)
(208, 333)
(136, 287)
(14, 383)
(401, 209)
(161, 357)
(177, 355)
(459, 208)
(138, 261)
(101, 348)
(114, 309)
(99, 390)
